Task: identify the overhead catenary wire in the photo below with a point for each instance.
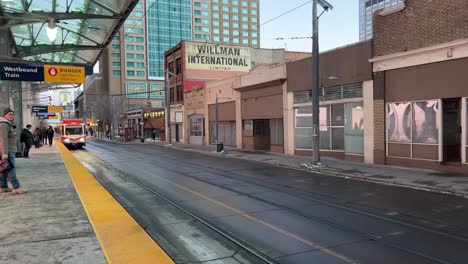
(268, 21)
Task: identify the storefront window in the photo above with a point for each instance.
(276, 129)
(426, 122)
(324, 122)
(304, 117)
(227, 132)
(354, 128)
(303, 127)
(196, 126)
(261, 127)
(338, 138)
(331, 127)
(399, 122)
(337, 117)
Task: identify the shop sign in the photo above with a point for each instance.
(217, 57)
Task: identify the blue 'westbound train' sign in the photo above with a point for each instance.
(21, 72)
(32, 72)
(40, 109)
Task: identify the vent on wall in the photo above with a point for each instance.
(331, 93)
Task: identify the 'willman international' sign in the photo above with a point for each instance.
(207, 56)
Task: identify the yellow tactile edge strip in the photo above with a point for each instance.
(122, 239)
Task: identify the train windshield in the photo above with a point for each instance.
(74, 130)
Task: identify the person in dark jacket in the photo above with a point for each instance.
(7, 151)
(27, 138)
(37, 137)
(50, 134)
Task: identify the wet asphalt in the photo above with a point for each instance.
(207, 209)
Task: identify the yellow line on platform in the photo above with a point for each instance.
(122, 239)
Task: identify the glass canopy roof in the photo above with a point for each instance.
(84, 28)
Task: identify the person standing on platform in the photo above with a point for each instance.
(50, 134)
(7, 151)
(27, 138)
(37, 137)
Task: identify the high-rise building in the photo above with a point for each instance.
(168, 22)
(366, 11)
(227, 21)
(135, 61)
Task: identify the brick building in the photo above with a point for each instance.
(420, 85)
(192, 65)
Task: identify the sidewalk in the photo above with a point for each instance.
(47, 224)
(422, 179)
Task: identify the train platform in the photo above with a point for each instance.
(421, 179)
(59, 219)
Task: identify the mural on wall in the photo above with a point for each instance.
(208, 56)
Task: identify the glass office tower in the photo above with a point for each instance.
(367, 9)
(167, 23)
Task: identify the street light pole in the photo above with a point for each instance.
(315, 87)
(217, 127)
(168, 106)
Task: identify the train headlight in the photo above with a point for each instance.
(67, 140)
(82, 140)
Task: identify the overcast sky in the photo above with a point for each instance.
(339, 27)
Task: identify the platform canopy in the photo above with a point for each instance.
(83, 29)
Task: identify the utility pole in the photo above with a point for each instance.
(315, 88)
(316, 80)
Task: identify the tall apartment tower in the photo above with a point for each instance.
(135, 61)
(227, 21)
(366, 11)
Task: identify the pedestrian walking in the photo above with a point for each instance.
(50, 134)
(44, 135)
(7, 150)
(37, 137)
(154, 134)
(27, 138)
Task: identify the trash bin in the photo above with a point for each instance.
(142, 139)
(219, 147)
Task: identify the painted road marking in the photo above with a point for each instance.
(271, 226)
(122, 239)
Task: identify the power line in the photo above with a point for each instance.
(270, 20)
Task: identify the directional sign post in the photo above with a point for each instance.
(43, 72)
(21, 72)
(45, 114)
(40, 109)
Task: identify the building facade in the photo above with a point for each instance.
(366, 12)
(420, 85)
(269, 108)
(195, 64)
(227, 21)
(134, 63)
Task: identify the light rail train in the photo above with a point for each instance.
(72, 132)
